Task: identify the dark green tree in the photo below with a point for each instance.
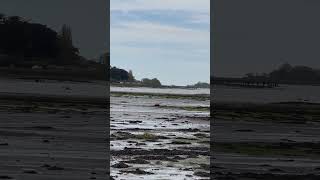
(68, 53)
(151, 82)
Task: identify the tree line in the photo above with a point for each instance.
(23, 41)
(121, 75)
(289, 74)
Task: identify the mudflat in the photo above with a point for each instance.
(52, 130)
(266, 141)
(159, 135)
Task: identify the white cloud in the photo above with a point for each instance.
(201, 18)
(140, 5)
(146, 44)
(165, 54)
(146, 32)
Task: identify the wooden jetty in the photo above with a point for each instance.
(245, 82)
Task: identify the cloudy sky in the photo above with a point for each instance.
(165, 39)
(258, 36)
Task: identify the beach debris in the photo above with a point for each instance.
(275, 170)
(201, 135)
(5, 177)
(67, 88)
(202, 174)
(43, 127)
(45, 141)
(160, 118)
(30, 171)
(244, 130)
(46, 166)
(55, 168)
(135, 122)
(138, 171)
(37, 67)
(120, 165)
(180, 142)
(138, 161)
(140, 144)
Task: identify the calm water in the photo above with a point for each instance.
(284, 93)
(97, 89)
(160, 90)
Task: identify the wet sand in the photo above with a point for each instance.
(159, 136)
(266, 141)
(48, 135)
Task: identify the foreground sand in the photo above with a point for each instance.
(266, 141)
(159, 136)
(52, 136)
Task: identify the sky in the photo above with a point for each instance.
(87, 18)
(164, 39)
(169, 39)
(258, 36)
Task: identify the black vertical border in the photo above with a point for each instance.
(212, 54)
(108, 89)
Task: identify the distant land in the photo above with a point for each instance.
(284, 74)
(121, 77)
(34, 50)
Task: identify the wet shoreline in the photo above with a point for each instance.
(52, 131)
(159, 136)
(266, 141)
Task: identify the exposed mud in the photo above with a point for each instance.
(266, 141)
(159, 136)
(48, 132)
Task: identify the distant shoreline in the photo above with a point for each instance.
(67, 74)
(161, 87)
(221, 80)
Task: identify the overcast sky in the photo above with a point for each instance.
(164, 39)
(258, 36)
(87, 18)
(169, 39)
